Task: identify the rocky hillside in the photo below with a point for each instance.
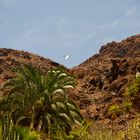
(9, 59)
(102, 79)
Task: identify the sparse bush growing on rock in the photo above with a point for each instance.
(133, 90)
(114, 110)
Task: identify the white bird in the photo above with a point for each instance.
(66, 57)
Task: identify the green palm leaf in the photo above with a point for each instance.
(42, 99)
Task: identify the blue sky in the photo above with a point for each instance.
(53, 28)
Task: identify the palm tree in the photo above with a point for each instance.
(41, 100)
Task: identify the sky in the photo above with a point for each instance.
(78, 28)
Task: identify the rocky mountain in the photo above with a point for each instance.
(102, 79)
(9, 59)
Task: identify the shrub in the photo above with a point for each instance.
(40, 101)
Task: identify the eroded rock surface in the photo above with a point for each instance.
(103, 79)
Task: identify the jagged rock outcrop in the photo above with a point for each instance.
(103, 78)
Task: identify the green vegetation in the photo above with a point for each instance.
(37, 107)
(131, 94)
(39, 102)
(114, 110)
(133, 90)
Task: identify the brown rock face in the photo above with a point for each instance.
(9, 59)
(103, 78)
